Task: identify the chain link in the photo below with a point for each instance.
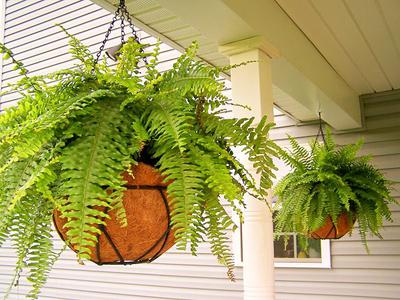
(122, 29)
(130, 23)
(134, 32)
(103, 44)
(320, 133)
(123, 14)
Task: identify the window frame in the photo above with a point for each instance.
(325, 262)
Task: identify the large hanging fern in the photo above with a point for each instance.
(326, 181)
(74, 132)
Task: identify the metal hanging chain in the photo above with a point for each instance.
(130, 23)
(123, 14)
(320, 132)
(122, 29)
(103, 44)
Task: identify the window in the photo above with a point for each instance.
(301, 252)
(295, 250)
(297, 253)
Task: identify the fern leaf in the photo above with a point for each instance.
(93, 161)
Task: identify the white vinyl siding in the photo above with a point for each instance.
(354, 275)
(2, 21)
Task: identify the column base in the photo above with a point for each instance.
(261, 293)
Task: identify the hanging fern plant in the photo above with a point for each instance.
(330, 187)
(75, 131)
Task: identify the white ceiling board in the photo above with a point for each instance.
(378, 36)
(347, 31)
(154, 15)
(273, 23)
(184, 33)
(169, 25)
(163, 21)
(218, 22)
(391, 12)
(359, 38)
(315, 28)
(141, 6)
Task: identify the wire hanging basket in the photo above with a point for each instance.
(147, 234)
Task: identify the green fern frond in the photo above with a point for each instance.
(241, 132)
(31, 233)
(218, 222)
(185, 190)
(94, 160)
(79, 51)
(18, 180)
(327, 181)
(168, 125)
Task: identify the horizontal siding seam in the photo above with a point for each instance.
(142, 285)
(46, 21)
(11, 18)
(18, 2)
(44, 13)
(43, 30)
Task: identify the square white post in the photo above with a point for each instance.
(252, 86)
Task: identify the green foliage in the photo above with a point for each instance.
(74, 132)
(326, 181)
(31, 232)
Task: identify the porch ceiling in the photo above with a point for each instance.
(330, 51)
(359, 38)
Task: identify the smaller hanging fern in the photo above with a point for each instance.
(327, 181)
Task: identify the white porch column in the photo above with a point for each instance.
(252, 86)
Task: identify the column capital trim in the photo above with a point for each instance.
(255, 42)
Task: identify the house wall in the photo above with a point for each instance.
(31, 34)
(2, 21)
(355, 275)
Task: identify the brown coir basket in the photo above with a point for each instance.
(331, 231)
(148, 233)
